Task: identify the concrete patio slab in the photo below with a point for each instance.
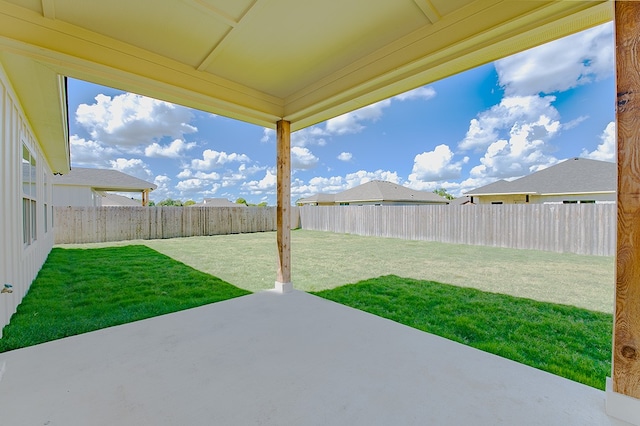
(280, 359)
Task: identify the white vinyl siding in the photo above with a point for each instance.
(22, 218)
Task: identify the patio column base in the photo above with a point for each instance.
(621, 406)
(284, 287)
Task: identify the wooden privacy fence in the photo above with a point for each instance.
(576, 228)
(101, 224)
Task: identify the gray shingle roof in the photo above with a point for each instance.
(379, 191)
(573, 176)
(318, 198)
(103, 180)
(119, 200)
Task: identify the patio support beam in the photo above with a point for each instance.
(623, 393)
(283, 207)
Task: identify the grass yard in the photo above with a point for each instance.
(567, 341)
(324, 260)
(81, 290)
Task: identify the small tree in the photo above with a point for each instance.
(170, 202)
(443, 193)
(189, 203)
(241, 201)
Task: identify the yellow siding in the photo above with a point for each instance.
(543, 199)
(504, 199)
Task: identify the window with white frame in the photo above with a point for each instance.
(29, 213)
(45, 202)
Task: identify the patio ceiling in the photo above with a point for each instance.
(264, 60)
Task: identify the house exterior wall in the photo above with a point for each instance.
(504, 199)
(75, 196)
(559, 199)
(543, 199)
(21, 261)
(314, 203)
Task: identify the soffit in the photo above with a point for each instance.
(42, 96)
(264, 60)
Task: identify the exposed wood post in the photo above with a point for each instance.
(145, 197)
(626, 336)
(283, 208)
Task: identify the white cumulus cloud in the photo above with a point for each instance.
(352, 122)
(424, 93)
(266, 185)
(345, 156)
(516, 157)
(212, 159)
(175, 149)
(131, 120)
(134, 166)
(302, 158)
(436, 165)
(309, 136)
(190, 184)
(91, 153)
(267, 134)
(607, 150)
(363, 176)
(560, 65)
(508, 116)
(164, 189)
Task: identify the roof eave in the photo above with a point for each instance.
(43, 96)
(578, 193)
(484, 194)
(121, 189)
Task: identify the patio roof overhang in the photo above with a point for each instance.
(261, 61)
(288, 64)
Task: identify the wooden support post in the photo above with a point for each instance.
(283, 208)
(623, 393)
(145, 197)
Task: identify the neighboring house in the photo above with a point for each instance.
(460, 201)
(377, 193)
(87, 187)
(217, 202)
(318, 200)
(577, 180)
(115, 200)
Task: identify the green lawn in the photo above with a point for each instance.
(567, 341)
(323, 260)
(80, 290)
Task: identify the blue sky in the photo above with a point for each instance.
(502, 120)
